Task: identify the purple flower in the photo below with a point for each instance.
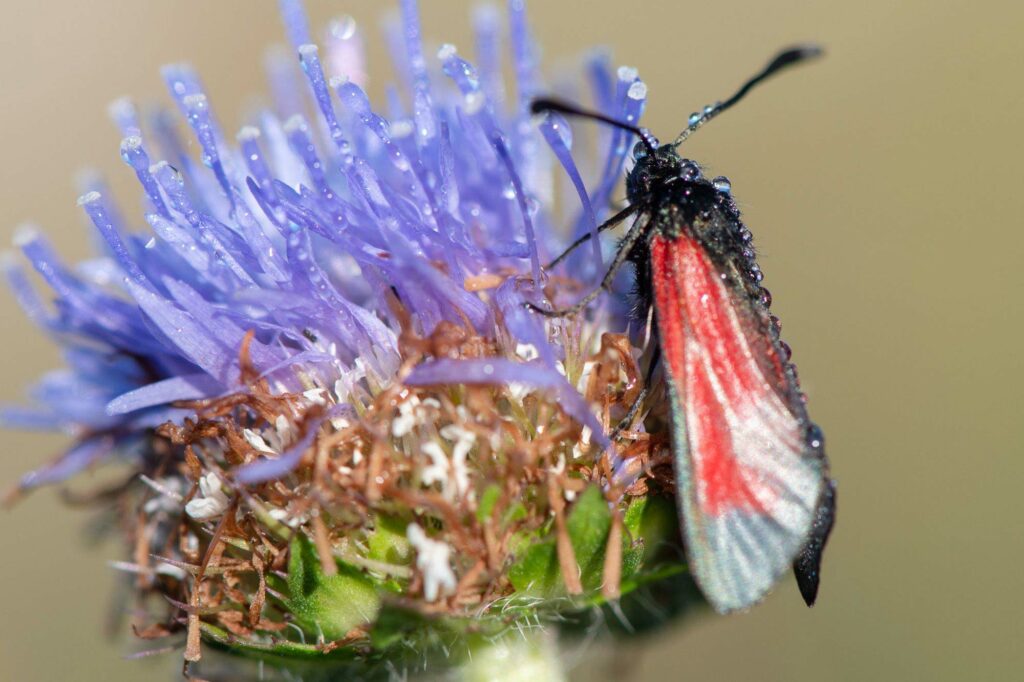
(318, 356)
(305, 225)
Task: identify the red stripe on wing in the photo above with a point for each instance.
(723, 484)
(748, 484)
(720, 378)
(701, 339)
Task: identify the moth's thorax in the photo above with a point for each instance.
(679, 198)
(678, 201)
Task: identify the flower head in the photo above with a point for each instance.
(317, 356)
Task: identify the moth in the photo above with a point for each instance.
(754, 493)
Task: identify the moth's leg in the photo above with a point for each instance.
(644, 392)
(606, 225)
(625, 247)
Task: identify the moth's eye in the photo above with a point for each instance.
(639, 151)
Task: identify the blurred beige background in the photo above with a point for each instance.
(884, 187)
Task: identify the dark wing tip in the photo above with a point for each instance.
(807, 565)
(807, 580)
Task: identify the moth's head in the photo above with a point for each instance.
(654, 170)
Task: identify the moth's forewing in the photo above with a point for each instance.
(748, 480)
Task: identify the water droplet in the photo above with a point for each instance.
(787, 352)
(815, 437)
(708, 109)
(766, 298)
(401, 163)
(694, 118)
(343, 28)
(627, 74)
(690, 171)
(446, 52)
(474, 102)
(722, 184)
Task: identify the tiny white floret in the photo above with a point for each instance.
(464, 441)
(518, 391)
(406, 419)
(433, 561)
(211, 501)
(527, 351)
(317, 396)
(256, 441)
(437, 470)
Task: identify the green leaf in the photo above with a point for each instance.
(515, 512)
(487, 502)
(330, 605)
(396, 624)
(648, 523)
(538, 571)
(276, 647)
(588, 525)
(388, 542)
(650, 536)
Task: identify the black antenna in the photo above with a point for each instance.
(788, 57)
(543, 104)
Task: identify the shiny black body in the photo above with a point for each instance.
(672, 196)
